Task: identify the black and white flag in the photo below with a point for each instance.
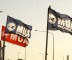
(16, 26)
(58, 21)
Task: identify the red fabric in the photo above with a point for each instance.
(13, 38)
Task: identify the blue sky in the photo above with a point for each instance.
(34, 12)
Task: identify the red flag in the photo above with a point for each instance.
(13, 38)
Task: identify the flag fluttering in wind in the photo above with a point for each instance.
(13, 38)
(58, 21)
(16, 26)
(16, 32)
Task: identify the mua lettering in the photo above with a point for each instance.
(18, 38)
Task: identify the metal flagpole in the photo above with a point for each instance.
(47, 36)
(3, 45)
(4, 49)
(53, 44)
(25, 53)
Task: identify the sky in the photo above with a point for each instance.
(34, 12)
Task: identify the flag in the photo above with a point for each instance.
(16, 26)
(13, 38)
(58, 21)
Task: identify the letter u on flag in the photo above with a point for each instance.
(16, 26)
(58, 21)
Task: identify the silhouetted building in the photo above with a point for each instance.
(20, 59)
(67, 57)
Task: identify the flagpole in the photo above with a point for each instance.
(4, 49)
(25, 53)
(46, 49)
(3, 45)
(53, 44)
